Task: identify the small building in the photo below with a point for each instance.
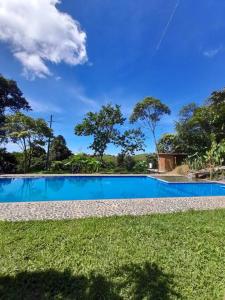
(169, 161)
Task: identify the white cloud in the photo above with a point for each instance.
(213, 52)
(39, 33)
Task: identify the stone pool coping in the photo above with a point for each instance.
(67, 175)
(58, 210)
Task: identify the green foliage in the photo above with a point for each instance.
(149, 111)
(27, 133)
(141, 167)
(195, 162)
(197, 124)
(59, 166)
(216, 108)
(11, 96)
(11, 99)
(152, 158)
(102, 126)
(215, 155)
(8, 162)
(38, 158)
(81, 163)
(130, 141)
(59, 150)
(132, 164)
(169, 143)
(129, 163)
(190, 134)
(167, 256)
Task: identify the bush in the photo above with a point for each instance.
(108, 165)
(152, 158)
(129, 163)
(8, 162)
(81, 163)
(141, 167)
(58, 166)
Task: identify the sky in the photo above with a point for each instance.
(71, 57)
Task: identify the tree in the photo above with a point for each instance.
(193, 128)
(58, 149)
(216, 109)
(28, 133)
(11, 98)
(150, 111)
(131, 141)
(102, 126)
(169, 143)
(8, 162)
(38, 158)
(197, 124)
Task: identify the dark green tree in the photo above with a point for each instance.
(59, 150)
(8, 162)
(11, 99)
(216, 114)
(37, 158)
(150, 111)
(169, 143)
(131, 141)
(102, 127)
(193, 128)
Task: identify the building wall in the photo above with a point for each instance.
(166, 163)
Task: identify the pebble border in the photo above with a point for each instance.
(57, 210)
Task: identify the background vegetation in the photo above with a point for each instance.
(199, 132)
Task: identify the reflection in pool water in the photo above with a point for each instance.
(99, 187)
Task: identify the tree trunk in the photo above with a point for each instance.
(25, 161)
(25, 157)
(156, 147)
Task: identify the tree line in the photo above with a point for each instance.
(198, 130)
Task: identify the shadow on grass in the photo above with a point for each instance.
(129, 282)
(147, 281)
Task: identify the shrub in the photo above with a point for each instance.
(141, 167)
(8, 162)
(81, 163)
(58, 166)
(129, 163)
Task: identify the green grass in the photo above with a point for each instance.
(174, 256)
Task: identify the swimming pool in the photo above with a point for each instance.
(99, 187)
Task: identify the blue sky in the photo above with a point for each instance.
(172, 50)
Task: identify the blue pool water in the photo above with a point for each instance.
(90, 188)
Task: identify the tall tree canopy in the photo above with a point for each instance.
(11, 96)
(102, 126)
(150, 111)
(131, 141)
(11, 99)
(59, 149)
(28, 133)
(169, 143)
(198, 126)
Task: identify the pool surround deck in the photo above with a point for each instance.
(55, 210)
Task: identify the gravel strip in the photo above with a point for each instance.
(55, 210)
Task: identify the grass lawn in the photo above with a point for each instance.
(173, 256)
